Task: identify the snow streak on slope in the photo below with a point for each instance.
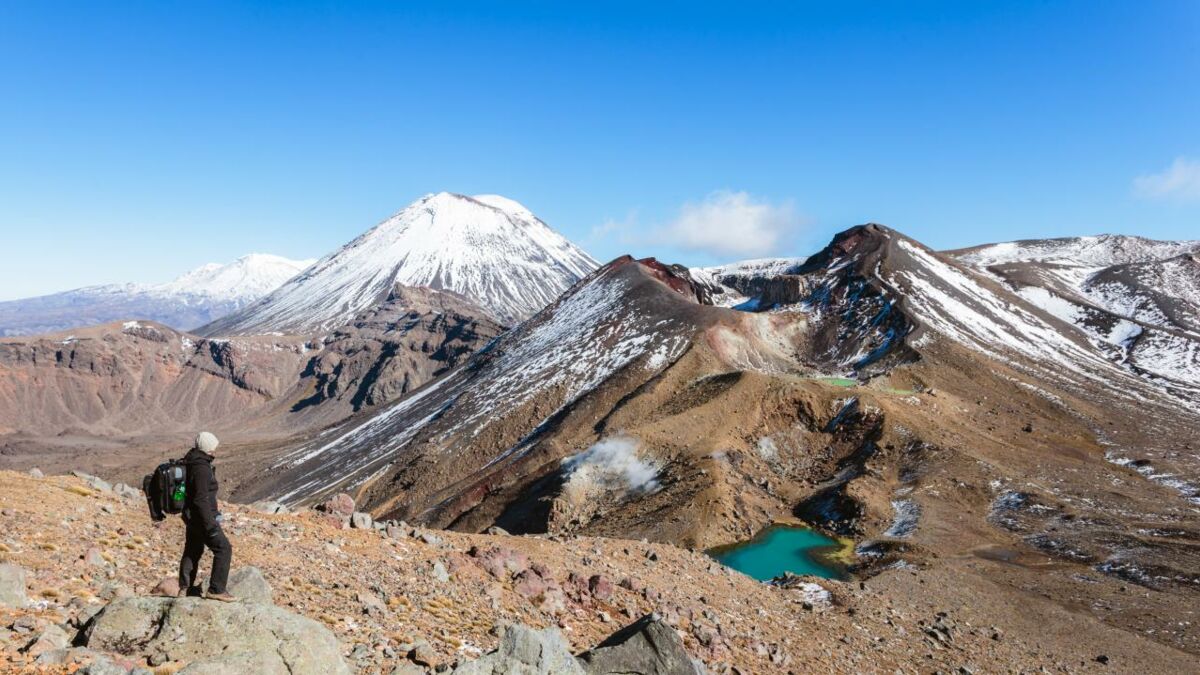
(958, 306)
(488, 248)
(1138, 295)
(1098, 251)
(195, 298)
(1160, 292)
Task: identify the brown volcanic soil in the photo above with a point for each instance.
(878, 625)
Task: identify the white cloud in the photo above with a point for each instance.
(615, 230)
(730, 223)
(1179, 181)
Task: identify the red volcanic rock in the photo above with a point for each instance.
(501, 562)
(531, 584)
(340, 504)
(600, 587)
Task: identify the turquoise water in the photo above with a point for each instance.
(780, 549)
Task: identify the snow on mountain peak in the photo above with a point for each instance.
(488, 248)
(249, 277)
(505, 204)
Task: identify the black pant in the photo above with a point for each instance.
(193, 549)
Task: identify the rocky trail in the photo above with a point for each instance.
(81, 560)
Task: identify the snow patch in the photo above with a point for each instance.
(904, 523)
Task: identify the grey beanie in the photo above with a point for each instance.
(206, 442)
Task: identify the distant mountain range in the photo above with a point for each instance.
(193, 299)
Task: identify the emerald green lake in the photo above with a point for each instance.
(780, 549)
(840, 381)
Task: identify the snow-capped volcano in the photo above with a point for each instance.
(248, 278)
(197, 297)
(488, 248)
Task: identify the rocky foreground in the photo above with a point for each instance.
(330, 591)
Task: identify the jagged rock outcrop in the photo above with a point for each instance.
(526, 651)
(12, 586)
(215, 637)
(647, 647)
(249, 584)
(388, 350)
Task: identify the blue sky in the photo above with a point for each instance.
(140, 139)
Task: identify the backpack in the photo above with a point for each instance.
(166, 489)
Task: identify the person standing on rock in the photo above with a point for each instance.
(202, 521)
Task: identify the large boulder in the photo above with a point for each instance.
(647, 647)
(340, 504)
(95, 482)
(50, 639)
(525, 651)
(126, 492)
(215, 636)
(249, 584)
(12, 586)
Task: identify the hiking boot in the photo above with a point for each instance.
(182, 594)
(223, 597)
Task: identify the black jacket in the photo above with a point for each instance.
(201, 501)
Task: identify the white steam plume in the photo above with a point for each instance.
(610, 464)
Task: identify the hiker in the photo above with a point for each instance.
(203, 523)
